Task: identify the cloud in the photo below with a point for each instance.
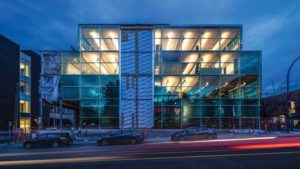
(270, 25)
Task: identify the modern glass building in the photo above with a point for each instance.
(161, 76)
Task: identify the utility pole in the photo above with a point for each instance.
(288, 92)
(61, 116)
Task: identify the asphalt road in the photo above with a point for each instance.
(262, 153)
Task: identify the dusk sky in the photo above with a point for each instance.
(269, 25)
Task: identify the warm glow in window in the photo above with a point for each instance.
(25, 69)
(25, 123)
(24, 106)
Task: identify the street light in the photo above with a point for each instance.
(288, 91)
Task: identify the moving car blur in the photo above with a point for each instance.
(194, 133)
(49, 140)
(121, 137)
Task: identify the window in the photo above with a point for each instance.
(25, 87)
(25, 69)
(25, 123)
(24, 106)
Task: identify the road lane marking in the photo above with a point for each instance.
(130, 158)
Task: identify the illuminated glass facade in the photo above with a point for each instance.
(162, 76)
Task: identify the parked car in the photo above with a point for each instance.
(194, 133)
(121, 137)
(49, 140)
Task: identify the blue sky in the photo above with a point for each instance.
(272, 26)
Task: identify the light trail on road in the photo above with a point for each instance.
(131, 158)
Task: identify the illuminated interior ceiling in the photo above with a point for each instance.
(108, 65)
(188, 39)
(106, 39)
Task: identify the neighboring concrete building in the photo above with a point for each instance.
(19, 94)
(50, 93)
(157, 76)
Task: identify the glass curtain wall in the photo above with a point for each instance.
(202, 79)
(95, 76)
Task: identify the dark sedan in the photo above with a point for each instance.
(194, 133)
(121, 137)
(49, 140)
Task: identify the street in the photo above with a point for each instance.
(258, 153)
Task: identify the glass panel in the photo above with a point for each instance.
(109, 111)
(109, 92)
(249, 62)
(89, 31)
(210, 111)
(171, 57)
(90, 57)
(69, 80)
(171, 44)
(90, 44)
(89, 92)
(109, 33)
(171, 33)
(109, 123)
(70, 93)
(90, 68)
(250, 111)
(109, 44)
(70, 69)
(109, 68)
(171, 69)
(89, 102)
(89, 111)
(109, 80)
(90, 80)
(191, 111)
(190, 122)
(188, 57)
(89, 122)
(70, 57)
(250, 92)
(171, 123)
(110, 57)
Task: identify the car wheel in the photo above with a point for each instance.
(55, 144)
(27, 145)
(104, 142)
(132, 141)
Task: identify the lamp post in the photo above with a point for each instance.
(288, 91)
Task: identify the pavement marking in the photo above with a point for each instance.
(132, 158)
